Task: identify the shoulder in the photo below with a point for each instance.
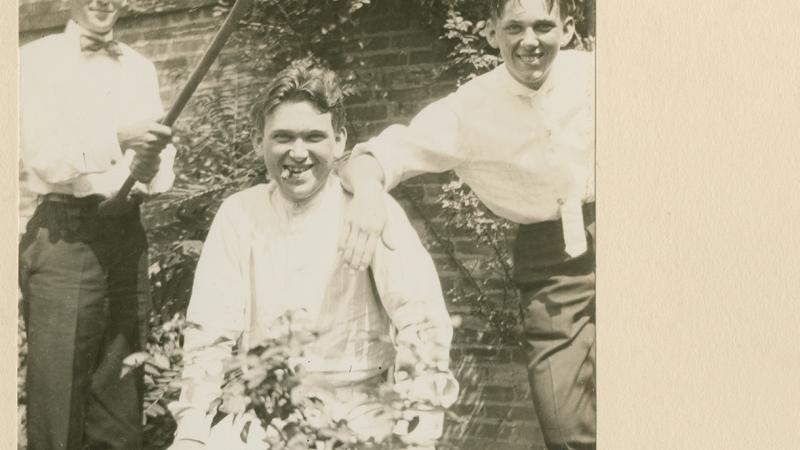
(478, 90)
(42, 49)
(245, 206)
(134, 58)
(576, 67)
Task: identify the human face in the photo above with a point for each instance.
(97, 16)
(299, 146)
(529, 38)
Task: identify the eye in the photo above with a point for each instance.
(282, 138)
(513, 28)
(544, 27)
(316, 137)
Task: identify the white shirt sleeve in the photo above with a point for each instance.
(428, 144)
(409, 288)
(220, 295)
(57, 146)
(111, 180)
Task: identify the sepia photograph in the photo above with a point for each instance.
(307, 224)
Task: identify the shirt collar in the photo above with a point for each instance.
(74, 30)
(514, 87)
(290, 211)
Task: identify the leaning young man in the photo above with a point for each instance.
(272, 249)
(522, 137)
(89, 107)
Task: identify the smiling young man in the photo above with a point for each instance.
(88, 110)
(522, 137)
(272, 249)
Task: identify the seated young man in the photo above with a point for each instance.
(272, 249)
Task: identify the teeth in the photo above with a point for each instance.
(293, 170)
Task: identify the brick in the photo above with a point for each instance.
(522, 414)
(367, 112)
(415, 39)
(401, 73)
(172, 63)
(368, 43)
(408, 94)
(487, 354)
(383, 24)
(442, 89)
(188, 46)
(521, 432)
(498, 393)
(497, 411)
(485, 430)
(422, 57)
(386, 59)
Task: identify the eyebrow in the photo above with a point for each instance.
(308, 131)
(545, 21)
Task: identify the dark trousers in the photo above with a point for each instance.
(559, 328)
(84, 290)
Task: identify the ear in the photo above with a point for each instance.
(491, 32)
(257, 138)
(567, 30)
(341, 142)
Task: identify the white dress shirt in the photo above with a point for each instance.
(265, 256)
(523, 152)
(71, 105)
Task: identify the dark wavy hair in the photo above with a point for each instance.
(565, 7)
(303, 80)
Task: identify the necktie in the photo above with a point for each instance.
(92, 44)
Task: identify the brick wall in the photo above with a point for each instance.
(402, 56)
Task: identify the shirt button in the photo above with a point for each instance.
(113, 162)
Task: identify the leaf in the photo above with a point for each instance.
(412, 424)
(160, 361)
(245, 432)
(133, 361)
(214, 406)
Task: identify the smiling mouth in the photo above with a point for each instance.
(294, 171)
(533, 59)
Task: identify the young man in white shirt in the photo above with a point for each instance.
(272, 249)
(88, 111)
(522, 137)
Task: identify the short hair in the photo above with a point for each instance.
(565, 7)
(303, 80)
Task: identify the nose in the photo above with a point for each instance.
(529, 38)
(298, 152)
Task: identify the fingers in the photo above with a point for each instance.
(144, 168)
(365, 249)
(160, 130)
(359, 250)
(351, 237)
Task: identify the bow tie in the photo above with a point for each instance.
(92, 44)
